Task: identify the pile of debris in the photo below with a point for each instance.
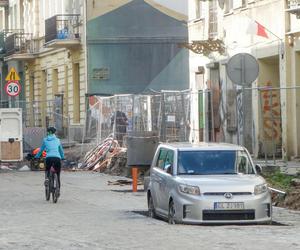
(107, 157)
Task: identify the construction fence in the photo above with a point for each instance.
(166, 114)
(252, 117)
(37, 116)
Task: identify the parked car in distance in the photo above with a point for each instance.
(207, 183)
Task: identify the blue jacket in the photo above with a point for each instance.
(52, 146)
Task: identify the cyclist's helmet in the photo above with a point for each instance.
(51, 130)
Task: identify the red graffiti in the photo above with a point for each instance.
(271, 115)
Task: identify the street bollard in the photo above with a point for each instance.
(134, 173)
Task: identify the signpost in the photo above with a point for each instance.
(12, 87)
(12, 75)
(242, 69)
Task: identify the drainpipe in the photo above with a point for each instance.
(6, 10)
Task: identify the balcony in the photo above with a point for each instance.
(3, 3)
(19, 46)
(294, 7)
(62, 31)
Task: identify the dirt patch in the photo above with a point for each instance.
(291, 200)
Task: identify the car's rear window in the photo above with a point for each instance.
(207, 162)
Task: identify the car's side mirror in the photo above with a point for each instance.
(168, 168)
(258, 169)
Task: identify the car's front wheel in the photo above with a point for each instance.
(151, 209)
(171, 214)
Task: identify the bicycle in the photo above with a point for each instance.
(52, 185)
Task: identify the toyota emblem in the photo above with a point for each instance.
(228, 195)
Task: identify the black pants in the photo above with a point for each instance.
(56, 163)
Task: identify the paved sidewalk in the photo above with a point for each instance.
(289, 167)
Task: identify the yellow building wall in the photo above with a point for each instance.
(58, 65)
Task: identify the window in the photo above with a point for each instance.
(165, 158)
(55, 81)
(214, 162)
(199, 9)
(206, 162)
(244, 165)
(169, 158)
(161, 158)
(213, 20)
(228, 6)
(76, 93)
(244, 3)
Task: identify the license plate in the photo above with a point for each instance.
(228, 205)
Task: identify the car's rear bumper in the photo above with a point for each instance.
(201, 209)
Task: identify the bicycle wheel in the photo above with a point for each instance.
(55, 187)
(47, 190)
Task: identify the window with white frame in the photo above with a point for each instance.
(199, 9)
(213, 19)
(228, 6)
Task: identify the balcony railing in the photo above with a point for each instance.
(19, 42)
(293, 4)
(294, 7)
(18, 45)
(62, 28)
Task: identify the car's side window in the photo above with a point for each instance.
(169, 160)
(161, 158)
(244, 165)
(169, 157)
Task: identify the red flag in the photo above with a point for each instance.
(255, 28)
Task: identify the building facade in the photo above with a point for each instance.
(134, 46)
(266, 122)
(45, 42)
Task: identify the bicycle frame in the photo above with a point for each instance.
(53, 185)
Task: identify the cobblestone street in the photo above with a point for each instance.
(92, 215)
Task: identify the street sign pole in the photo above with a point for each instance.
(243, 98)
(242, 69)
(12, 87)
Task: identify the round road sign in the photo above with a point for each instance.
(242, 69)
(13, 88)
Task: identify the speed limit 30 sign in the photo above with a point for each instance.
(13, 88)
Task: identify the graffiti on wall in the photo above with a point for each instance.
(271, 115)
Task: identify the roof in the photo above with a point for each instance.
(185, 146)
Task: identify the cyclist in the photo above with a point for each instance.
(54, 154)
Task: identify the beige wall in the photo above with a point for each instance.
(52, 70)
(61, 62)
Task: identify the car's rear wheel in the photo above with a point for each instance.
(151, 209)
(171, 214)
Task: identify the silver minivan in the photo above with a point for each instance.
(207, 183)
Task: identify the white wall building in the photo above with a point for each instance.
(272, 119)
